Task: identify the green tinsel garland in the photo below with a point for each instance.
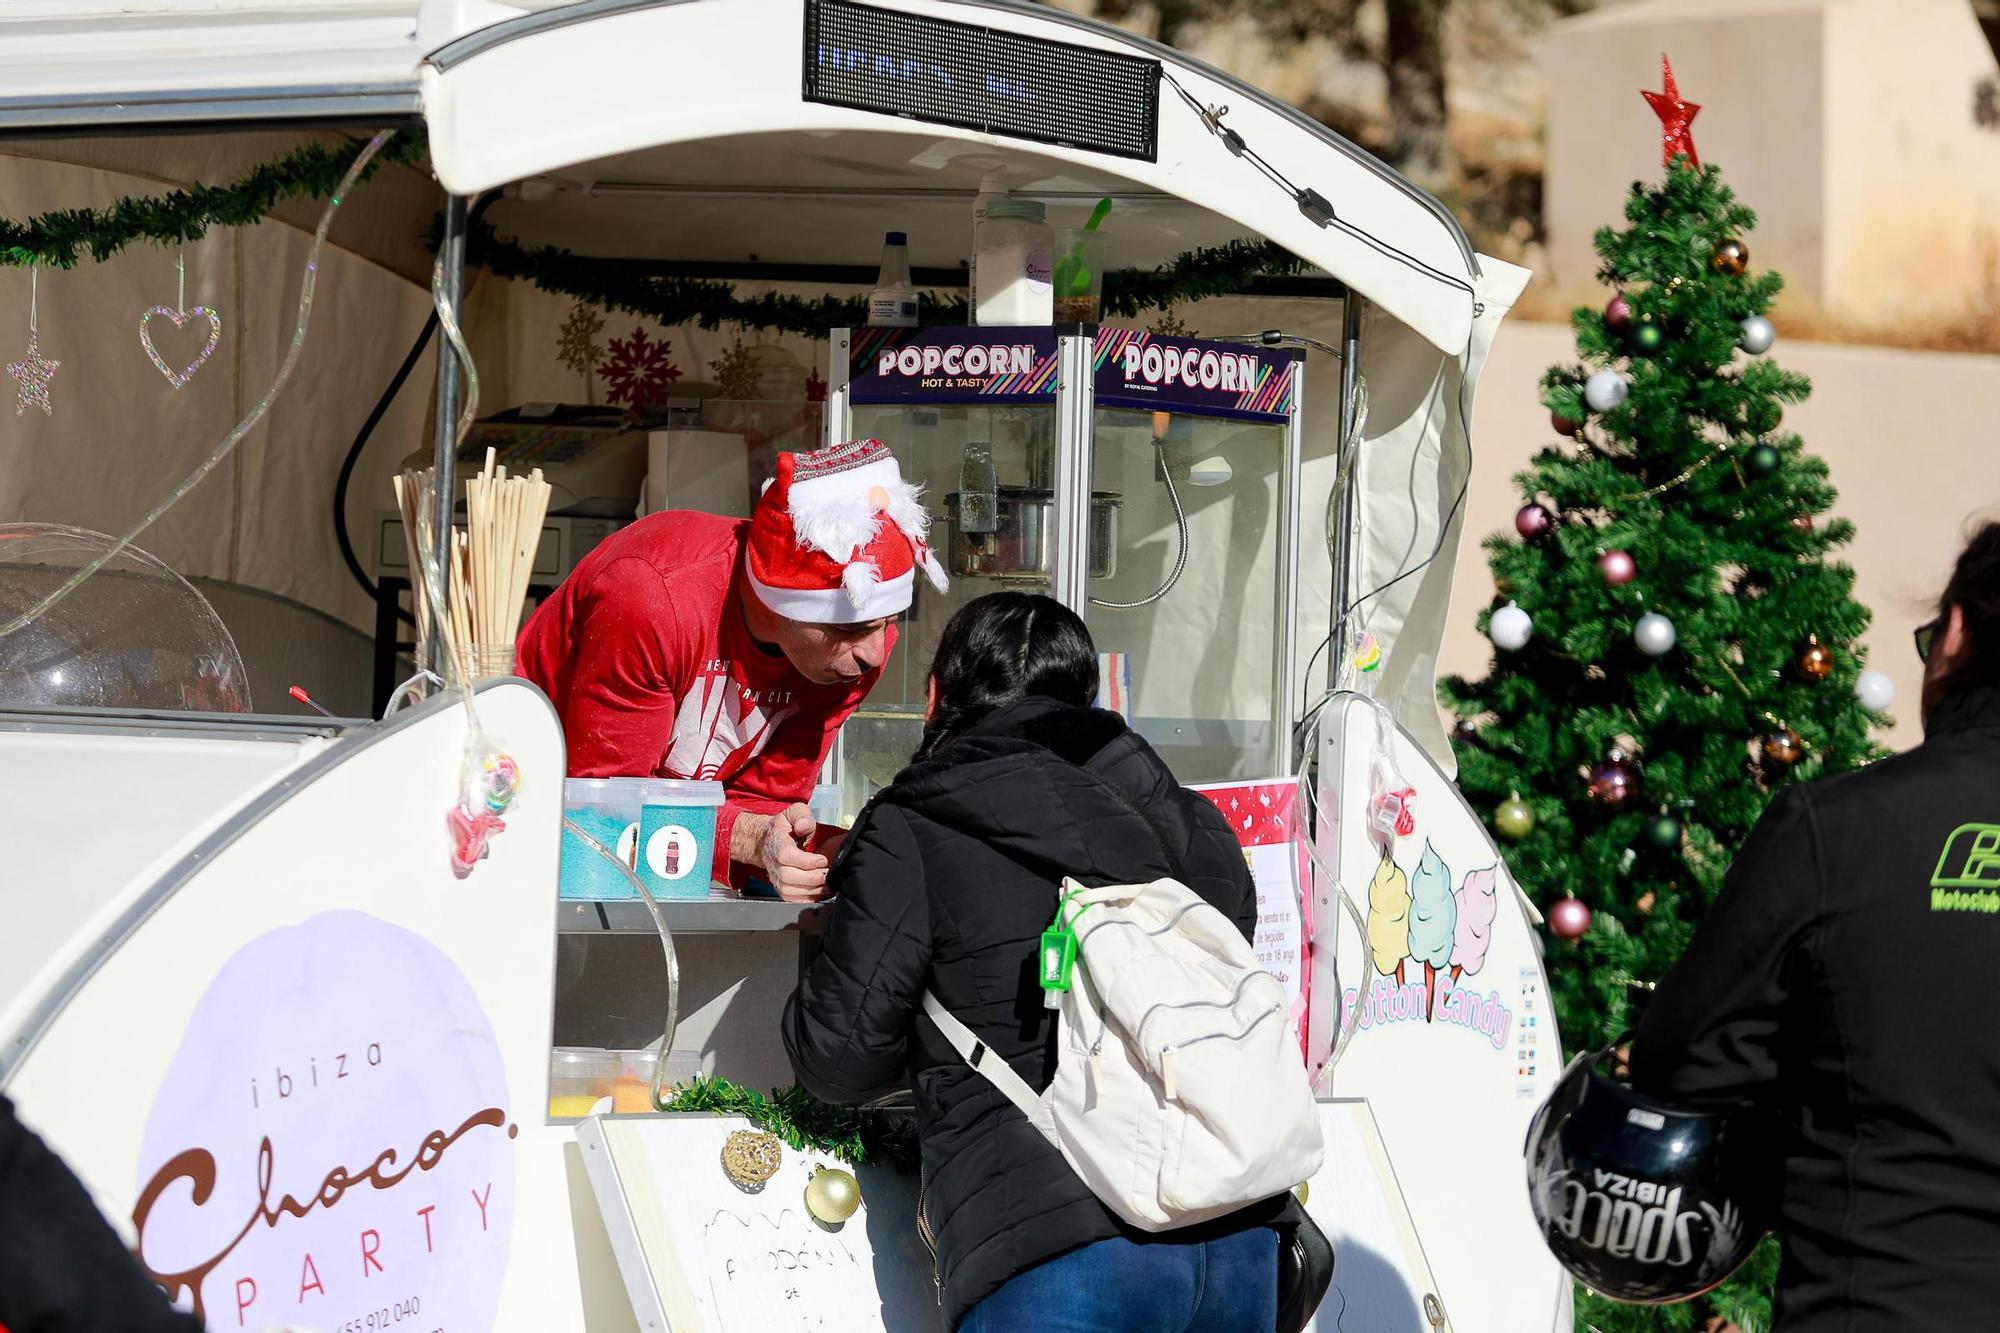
(859, 1138)
(61, 238)
(626, 285)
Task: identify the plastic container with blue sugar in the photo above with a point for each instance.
(677, 837)
(606, 809)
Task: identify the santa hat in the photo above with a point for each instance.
(820, 549)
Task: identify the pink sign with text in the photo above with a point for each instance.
(1264, 817)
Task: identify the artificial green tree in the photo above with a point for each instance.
(1690, 646)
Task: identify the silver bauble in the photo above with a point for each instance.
(1875, 690)
(1510, 628)
(1605, 390)
(1654, 634)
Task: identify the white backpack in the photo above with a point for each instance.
(1179, 1093)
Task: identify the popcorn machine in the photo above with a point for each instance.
(1149, 482)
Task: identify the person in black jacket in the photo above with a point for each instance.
(946, 882)
(1844, 980)
(62, 1267)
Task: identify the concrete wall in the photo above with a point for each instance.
(1910, 436)
(1847, 124)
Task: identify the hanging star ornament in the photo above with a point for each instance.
(1676, 117)
(33, 373)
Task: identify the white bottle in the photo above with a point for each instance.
(1013, 265)
(991, 190)
(893, 303)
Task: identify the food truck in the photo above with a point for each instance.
(250, 959)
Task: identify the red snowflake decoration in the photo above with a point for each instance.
(639, 371)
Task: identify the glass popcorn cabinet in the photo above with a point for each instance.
(1149, 482)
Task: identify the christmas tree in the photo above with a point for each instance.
(1674, 642)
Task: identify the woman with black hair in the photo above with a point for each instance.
(946, 883)
(1838, 983)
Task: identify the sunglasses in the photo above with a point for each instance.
(1926, 635)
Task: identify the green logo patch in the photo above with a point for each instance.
(1970, 860)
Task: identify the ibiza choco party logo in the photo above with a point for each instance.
(332, 1145)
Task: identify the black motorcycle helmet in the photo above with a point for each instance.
(1641, 1200)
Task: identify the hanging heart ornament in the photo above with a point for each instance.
(180, 318)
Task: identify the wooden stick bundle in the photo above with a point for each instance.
(412, 488)
(491, 560)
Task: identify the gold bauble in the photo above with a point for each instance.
(1302, 1191)
(1815, 659)
(832, 1195)
(750, 1157)
(1731, 257)
(1783, 747)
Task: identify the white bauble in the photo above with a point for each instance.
(1605, 390)
(1758, 335)
(1510, 628)
(1875, 690)
(1654, 634)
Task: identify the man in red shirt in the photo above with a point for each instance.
(693, 646)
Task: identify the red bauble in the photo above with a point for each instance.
(1532, 520)
(1569, 919)
(1614, 784)
(1567, 426)
(1618, 567)
(1618, 314)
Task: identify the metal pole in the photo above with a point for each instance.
(444, 456)
(1283, 716)
(1075, 398)
(1343, 550)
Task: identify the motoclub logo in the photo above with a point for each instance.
(331, 1145)
(1641, 1220)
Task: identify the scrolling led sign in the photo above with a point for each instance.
(931, 69)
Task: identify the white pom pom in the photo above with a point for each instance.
(859, 578)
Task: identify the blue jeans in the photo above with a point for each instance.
(1120, 1286)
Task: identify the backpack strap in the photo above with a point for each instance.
(989, 1065)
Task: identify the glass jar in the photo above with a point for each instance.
(1012, 265)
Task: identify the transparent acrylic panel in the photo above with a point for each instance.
(938, 448)
(1203, 659)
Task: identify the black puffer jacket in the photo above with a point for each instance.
(947, 882)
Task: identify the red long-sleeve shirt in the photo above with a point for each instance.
(649, 662)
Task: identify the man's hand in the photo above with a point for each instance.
(778, 844)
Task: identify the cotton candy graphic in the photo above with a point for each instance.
(1433, 914)
(1478, 905)
(1388, 915)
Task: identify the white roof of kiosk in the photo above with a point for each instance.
(687, 101)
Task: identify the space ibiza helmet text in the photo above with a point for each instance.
(1628, 1218)
(331, 1143)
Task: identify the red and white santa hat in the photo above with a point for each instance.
(838, 535)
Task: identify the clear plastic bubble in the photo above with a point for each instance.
(134, 635)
